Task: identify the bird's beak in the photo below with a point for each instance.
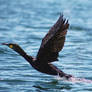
(5, 43)
(8, 44)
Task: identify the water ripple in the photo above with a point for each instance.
(26, 23)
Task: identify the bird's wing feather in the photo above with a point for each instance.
(53, 42)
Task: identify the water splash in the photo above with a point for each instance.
(75, 79)
(78, 80)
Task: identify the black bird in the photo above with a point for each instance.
(49, 50)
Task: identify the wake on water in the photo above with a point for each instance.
(72, 79)
(75, 80)
(83, 80)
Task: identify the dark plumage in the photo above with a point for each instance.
(49, 50)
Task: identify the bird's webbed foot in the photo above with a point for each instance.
(67, 76)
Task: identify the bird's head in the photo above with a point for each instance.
(13, 46)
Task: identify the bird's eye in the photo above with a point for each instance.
(11, 46)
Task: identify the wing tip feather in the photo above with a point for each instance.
(62, 19)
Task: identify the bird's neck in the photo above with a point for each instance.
(24, 54)
(27, 57)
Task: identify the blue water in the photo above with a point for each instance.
(26, 22)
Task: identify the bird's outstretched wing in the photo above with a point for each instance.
(53, 42)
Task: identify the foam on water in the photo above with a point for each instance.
(75, 80)
(83, 80)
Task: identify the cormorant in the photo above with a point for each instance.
(49, 50)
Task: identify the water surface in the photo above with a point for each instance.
(26, 22)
